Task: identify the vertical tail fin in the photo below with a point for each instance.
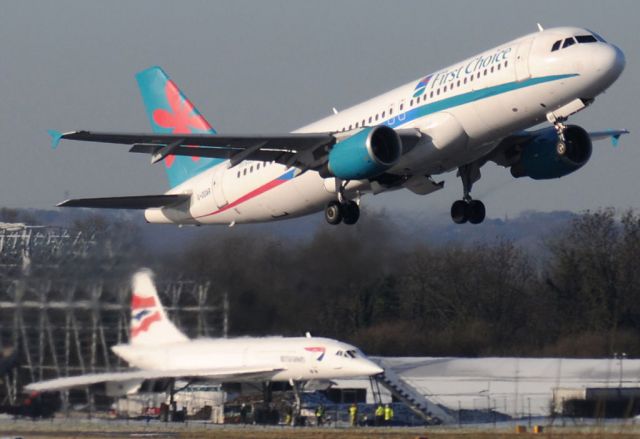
(169, 111)
(149, 322)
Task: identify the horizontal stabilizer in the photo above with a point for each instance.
(219, 375)
(135, 202)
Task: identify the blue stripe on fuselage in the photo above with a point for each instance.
(467, 98)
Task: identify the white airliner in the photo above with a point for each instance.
(160, 351)
(457, 118)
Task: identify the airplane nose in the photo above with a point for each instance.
(610, 63)
(370, 368)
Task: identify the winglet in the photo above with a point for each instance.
(56, 136)
(615, 137)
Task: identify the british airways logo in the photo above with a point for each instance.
(317, 349)
(143, 314)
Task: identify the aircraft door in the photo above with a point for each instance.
(218, 189)
(522, 60)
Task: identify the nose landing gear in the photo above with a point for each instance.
(468, 209)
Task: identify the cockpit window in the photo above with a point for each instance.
(568, 42)
(586, 39)
(598, 37)
(351, 354)
(556, 45)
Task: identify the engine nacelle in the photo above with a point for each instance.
(541, 159)
(364, 155)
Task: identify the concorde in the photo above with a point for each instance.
(457, 118)
(157, 349)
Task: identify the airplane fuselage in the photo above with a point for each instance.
(296, 358)
(461, 111)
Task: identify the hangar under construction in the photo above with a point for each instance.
(65, 298)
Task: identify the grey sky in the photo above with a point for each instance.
(272, 66)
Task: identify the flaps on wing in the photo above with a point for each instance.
(135, 202)
(280, 148)
(220, 375)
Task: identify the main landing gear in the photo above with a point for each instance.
(468, 209)
(342, 210)
(347, 212)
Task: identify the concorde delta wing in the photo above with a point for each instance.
(221, 375)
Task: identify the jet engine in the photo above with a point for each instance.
(546, 157)
(364, 155)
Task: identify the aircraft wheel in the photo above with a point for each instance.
(459, 213)
(476, 211)
(561, 148)
(332, 213)
(350, 212)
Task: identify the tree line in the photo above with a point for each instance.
(375, 286)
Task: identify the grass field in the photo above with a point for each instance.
(115, 429)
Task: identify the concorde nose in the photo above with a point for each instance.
(369, 368)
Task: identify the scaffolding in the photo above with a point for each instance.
(62, 321)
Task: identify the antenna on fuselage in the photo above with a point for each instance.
(307, 334)
(540, 28)
(335, 111)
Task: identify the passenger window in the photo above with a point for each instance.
(411, 102)
(244, 172)
(586, 39)
(556, 45)
(238, 174)
(258, 166)
(438, 92)
(458, 83)
(465, 79)
(444, 90)
(349, 127)
(401, 107)
(251, 168)
(390, 111)
(499, 65)
(376, 116)
(363, 122)
(370, 119)
(431, 94)
(471, 78)
(506, 63)
(357, 124)
(568, 42)
(485, 72)
(478, 75)
(383, 114)
(491, 69)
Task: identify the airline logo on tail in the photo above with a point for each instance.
(170, 112)
(143, 314)
(317, 349)
(183, 118)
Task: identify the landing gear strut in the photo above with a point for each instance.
(558, 124)
(342, 210)
(468, 209)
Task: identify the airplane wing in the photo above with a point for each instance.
(135, 202)
(221, 375)
(307, 150)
